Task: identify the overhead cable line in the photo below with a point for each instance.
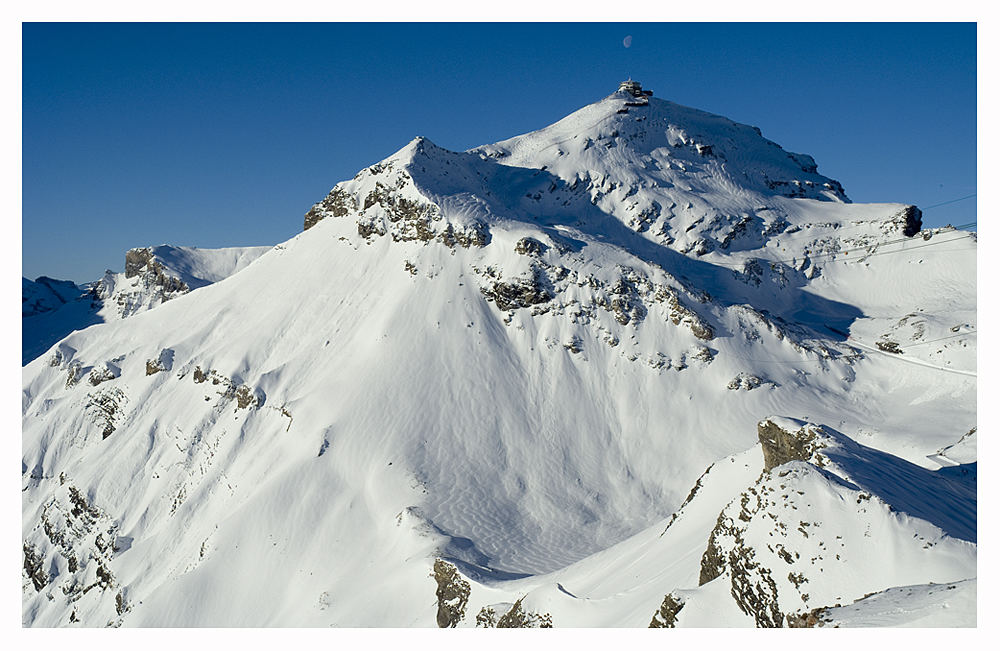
(833, 254)
(945, 203)
(920, 246)
(931, 341)
(850, 339)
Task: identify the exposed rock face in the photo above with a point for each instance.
(912, 220)
(452, 594)
(624, 300)
(475, 234)
(514, 617)
(666, 616)
(681, 314)
(520, 292)
(142, 261)
(336, 204)
(746, 382)
(384, 201)
(410, 219)
(781, 446)
(782, 542)
(164, 362)
(810, 619)
(246, 397)
(136, 260)
(888, 346)
(33, 567)
(529, 246)
(79, 537)
(103, 373)
(73, 372)
(152, 284)
(107, 409)
(751, 585)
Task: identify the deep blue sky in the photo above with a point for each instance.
(225, 134)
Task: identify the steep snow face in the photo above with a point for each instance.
(486, 361)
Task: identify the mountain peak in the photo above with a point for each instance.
(679, 176)
(513, 363)
(630, 134)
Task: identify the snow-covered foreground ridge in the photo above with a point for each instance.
(480, 386)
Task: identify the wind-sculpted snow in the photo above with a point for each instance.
(490, 359)
(794, 545)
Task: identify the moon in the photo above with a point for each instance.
(628, 41)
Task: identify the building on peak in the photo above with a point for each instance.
(634, 88)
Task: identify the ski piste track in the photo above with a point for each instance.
(907, 360)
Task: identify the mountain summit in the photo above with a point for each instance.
(498, 377)
(683, 177)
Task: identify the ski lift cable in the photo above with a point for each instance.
(920, 246)
(854, 227)
(832, 359)
(931, 341)
(886, 243)
(945, 203)
(833, 255)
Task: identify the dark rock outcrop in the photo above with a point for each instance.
(666, 616)
(521, 292)
(912, 220)
(142, 262)
(681, 314)
(246, 397)
(33, 567)
(529, 246)
(810, 619)
(336, 204)
(713, 561)
(781, 446)
(515, 617)
(107, 408)
(452, 594)
(164, 362)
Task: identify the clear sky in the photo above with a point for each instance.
(217, 135)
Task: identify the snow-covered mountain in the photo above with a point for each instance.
(152, 275)
(45, 294)
(497, 377)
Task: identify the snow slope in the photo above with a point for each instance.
(489, 357)
(57, 308)
(922, 606)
